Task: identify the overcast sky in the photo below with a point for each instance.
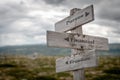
(26, 21)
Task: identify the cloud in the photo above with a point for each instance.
(20, 39)
(54, 2)
(10, 12)
(26, 21)
(110, 11)
(12, 39)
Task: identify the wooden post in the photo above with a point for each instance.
(77, 74)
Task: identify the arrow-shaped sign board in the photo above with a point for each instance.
(76, 41)
(85, 60)
(79, 18)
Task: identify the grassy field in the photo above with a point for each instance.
(43, 68)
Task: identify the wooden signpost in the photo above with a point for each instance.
(83, 46)
(79, 18)
(69, 63)
(76, 41)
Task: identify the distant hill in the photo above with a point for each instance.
(114, 49)
(30, 49)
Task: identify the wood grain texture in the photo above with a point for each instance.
(85, 60)
(76, 41)
(78, 74)
(79, 18)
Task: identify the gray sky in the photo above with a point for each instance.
(26, 21)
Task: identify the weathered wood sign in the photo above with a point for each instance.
(84, 46)
(72, 40)
(87, 59)
(79, 18)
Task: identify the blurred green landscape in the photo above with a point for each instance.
(37, 62)
(114, 49)
(43, 68)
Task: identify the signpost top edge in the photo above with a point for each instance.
(75, 13)
(80, 17)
